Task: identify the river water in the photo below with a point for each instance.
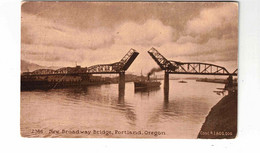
(99, 111)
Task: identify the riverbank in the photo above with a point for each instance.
(221, 121)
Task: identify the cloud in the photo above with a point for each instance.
(209, 37)
(47, 55)
(48, 43)
(212, 36)
(214, 19)
(211, 51)
(41, 31)
(151, 33)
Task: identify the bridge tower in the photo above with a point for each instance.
(122, 66)
(164, 65)
(117, 67)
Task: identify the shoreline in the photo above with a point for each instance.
(221, 122)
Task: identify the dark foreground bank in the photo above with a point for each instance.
(221, 121)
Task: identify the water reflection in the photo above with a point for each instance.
(107, 107)
(121, 105)
(101, 97)
(121, 95)
(166, 96)
(75, 93)
(147, 91)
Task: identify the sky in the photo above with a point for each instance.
(64, 34)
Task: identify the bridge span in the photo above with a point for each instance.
(169, 66)
(191, 68)
(114, 68)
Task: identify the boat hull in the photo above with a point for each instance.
(146, 85)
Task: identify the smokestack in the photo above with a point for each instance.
(152, 71)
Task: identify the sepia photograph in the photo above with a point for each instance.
(157, 70)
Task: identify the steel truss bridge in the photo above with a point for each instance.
(196, 68)
(117, 67)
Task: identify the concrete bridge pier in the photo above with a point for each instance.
(121, 86)
(121, 81)
(166, 86)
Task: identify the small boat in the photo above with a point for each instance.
(182, 81)
(146, 84)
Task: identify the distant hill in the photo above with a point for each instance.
(27, 66)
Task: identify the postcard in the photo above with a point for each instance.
(129, 70)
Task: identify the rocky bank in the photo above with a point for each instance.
(221, 121)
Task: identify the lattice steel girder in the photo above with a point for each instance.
(128, 59)
(43, 71)
(188, 67)
(235, 72)
(160, 59)
(117, 67)
(198, 68)
(103, 68)
(172, 72)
